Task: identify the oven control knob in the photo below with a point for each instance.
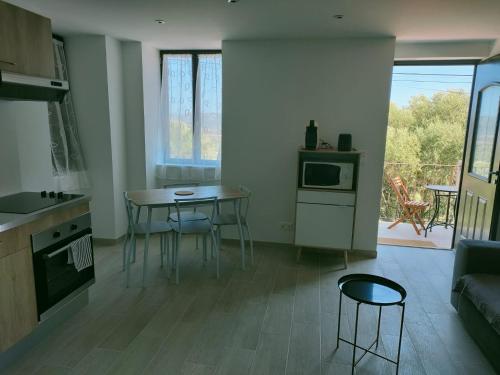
(43, 194)
(73, 227)
(56, 234)
(52, 194)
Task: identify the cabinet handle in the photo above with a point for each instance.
(7, 62)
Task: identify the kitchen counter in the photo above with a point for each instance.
(9, 221)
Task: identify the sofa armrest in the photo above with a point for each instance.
(474, 256)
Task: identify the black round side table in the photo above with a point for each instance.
(376, 291)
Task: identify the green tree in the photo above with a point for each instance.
(424, 143)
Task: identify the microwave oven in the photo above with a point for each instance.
(327, 175)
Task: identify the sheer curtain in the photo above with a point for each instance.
(190, 153)
(68, 165)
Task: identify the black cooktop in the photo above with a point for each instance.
(28, 201)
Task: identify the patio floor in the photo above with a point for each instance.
(404, 235)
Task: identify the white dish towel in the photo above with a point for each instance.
(81, 250)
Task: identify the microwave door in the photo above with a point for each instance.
(321, 175)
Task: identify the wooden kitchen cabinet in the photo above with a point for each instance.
(18, 315)
(25, 42)
(7, 42)
(18, 308)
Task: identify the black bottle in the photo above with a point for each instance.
(311, 136)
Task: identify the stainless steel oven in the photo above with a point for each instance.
(56, 277)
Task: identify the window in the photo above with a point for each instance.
(191, 104)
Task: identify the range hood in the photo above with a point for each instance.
(15, 86)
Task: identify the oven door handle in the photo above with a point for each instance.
(53, 254)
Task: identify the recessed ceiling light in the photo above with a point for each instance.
(160, 22)
(338, 16)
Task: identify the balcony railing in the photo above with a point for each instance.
(416, 178)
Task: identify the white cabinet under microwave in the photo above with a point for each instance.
(324, 219)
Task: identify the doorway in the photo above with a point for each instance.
(426, 134)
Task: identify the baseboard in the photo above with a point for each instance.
(108, 241)
(356, 252)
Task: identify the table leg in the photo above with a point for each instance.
(237, 206)
(355, 339)
(338, 321)
(146, 246)
(437, 202)
(447, 210)
(378, 324)
(400, 336)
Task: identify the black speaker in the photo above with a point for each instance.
(345, 142)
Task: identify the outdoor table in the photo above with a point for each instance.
(441, 191)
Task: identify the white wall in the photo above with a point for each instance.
(118, 131)
(25, 147)
(134, 114)
(151, 90)
(10, 176)
(86, 55)
(271, 89)
(443, 50)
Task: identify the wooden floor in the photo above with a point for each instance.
(277, 317)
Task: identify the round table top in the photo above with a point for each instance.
(445, 188)
(372, 289)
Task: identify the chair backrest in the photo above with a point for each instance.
(245, 202)
(195, 202)
(130, 211)
(399, 188)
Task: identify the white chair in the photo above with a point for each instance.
(134, 228)
(240, 206)
(201, 227)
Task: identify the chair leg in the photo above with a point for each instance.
(167, 253)
(135, 248)
(125, 251)
(162, 240)
(217, 248)
(218, 238)
(251, 243)
(129, 256)
(205, 249)
(412, 221)
(419, 219)
(401, 219)
(177, 243)
(174, 247)
(242, 246)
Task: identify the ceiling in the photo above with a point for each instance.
(205, 23)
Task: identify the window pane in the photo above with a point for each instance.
(485, 130)
(209, 105)
(180, 106)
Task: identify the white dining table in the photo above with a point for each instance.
(157, 198)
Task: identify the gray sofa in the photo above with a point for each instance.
(476, 294)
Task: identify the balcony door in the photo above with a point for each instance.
(479, 202)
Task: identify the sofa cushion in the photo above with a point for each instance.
(483, 290)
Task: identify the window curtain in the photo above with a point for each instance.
(68, 164)
(190, 145)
